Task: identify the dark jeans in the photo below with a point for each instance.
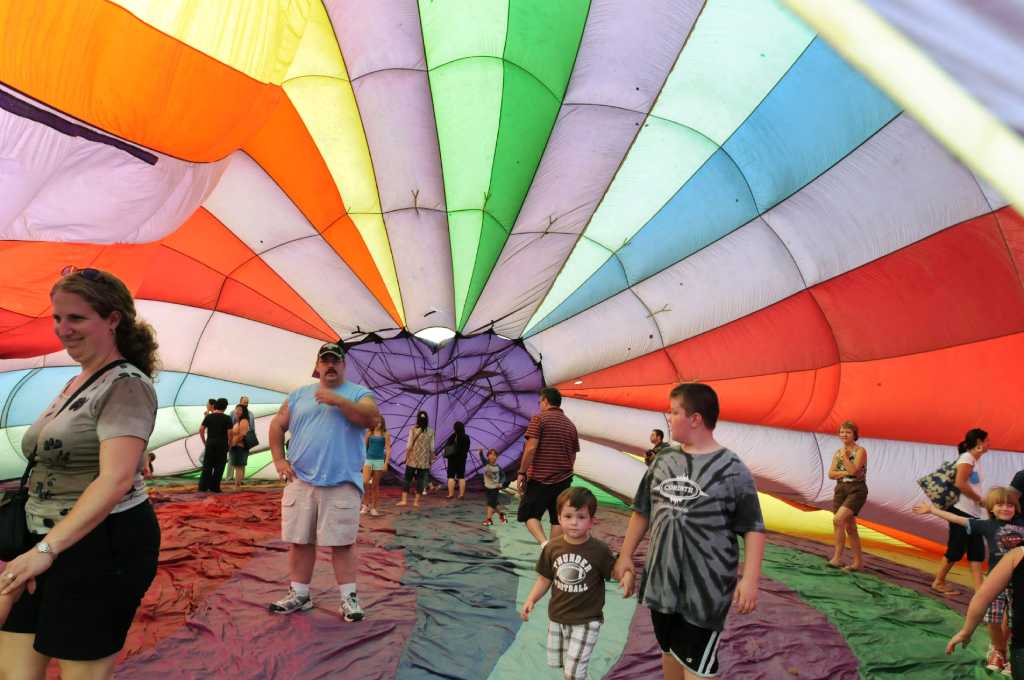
(214, 460)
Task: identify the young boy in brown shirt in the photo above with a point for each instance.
(577, 564)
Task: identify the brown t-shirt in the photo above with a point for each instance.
(577, 574)
(121, 402)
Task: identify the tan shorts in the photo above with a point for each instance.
(321, 515)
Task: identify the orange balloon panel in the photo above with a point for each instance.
(129, 78)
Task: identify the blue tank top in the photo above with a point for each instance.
(375, 447)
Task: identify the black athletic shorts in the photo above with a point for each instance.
(540, 498)
(492, 497)
(960, 542)
(694, 647)
(84, 604)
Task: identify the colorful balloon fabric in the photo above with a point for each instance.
(609, 197)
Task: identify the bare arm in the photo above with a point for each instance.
(540, 588)
(278, 426)
(833, 471)
(239, 431)
(963, 476)
(928, 508)
(363, 413)
(522, 476)
(995, 583)
(202, 434)
(528, 450)
(387, 449)
(119, 461)
(860, 459)
(745, 597)
(634, 534)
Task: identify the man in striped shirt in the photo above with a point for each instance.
(546, 467)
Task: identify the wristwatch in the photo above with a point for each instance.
(44, 547)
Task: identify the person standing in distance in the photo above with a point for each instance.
(546, 468)
(324, 471)
(658, 444)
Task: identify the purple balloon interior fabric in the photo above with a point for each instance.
(488, 382)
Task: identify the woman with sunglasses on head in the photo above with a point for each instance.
(95, 538)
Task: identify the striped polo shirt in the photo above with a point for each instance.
(557, 444)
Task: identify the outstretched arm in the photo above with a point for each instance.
(994, 584)
(927, 508)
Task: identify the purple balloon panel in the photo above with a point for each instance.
(488, 382)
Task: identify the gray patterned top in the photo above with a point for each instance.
(697, 505)
(122, 402)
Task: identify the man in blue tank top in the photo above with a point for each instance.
(324, 471)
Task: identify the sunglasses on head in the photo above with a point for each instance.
(87, 273)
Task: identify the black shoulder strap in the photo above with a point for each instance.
(81, 388)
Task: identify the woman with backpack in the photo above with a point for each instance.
(970, 482)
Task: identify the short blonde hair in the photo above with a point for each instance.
(998, 495)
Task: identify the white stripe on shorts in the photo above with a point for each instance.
(709, 654)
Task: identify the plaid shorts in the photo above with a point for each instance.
(570, 647)
(1000, 610)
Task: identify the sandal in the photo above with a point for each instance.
(947, 591)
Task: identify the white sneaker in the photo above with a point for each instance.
(350, 609)
(363, 509)
(293, 602)
(374, 512)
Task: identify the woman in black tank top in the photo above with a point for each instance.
(1009, 572)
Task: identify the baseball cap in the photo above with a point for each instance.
(331, 348)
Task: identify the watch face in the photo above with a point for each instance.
(43, 547)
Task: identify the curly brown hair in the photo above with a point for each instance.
(105, 293)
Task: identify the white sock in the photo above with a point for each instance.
(347, 589)
(301, 588)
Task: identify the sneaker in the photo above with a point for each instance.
(374, 512)
(488, 523)
(1007, 671)
(292, 603)
(504, 520)
(363, 509)
(995, 660)
(350, 609)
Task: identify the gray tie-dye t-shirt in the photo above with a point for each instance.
(697, 505)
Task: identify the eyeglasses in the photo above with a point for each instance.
(87, 273)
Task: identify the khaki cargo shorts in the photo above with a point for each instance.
(320, 515)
